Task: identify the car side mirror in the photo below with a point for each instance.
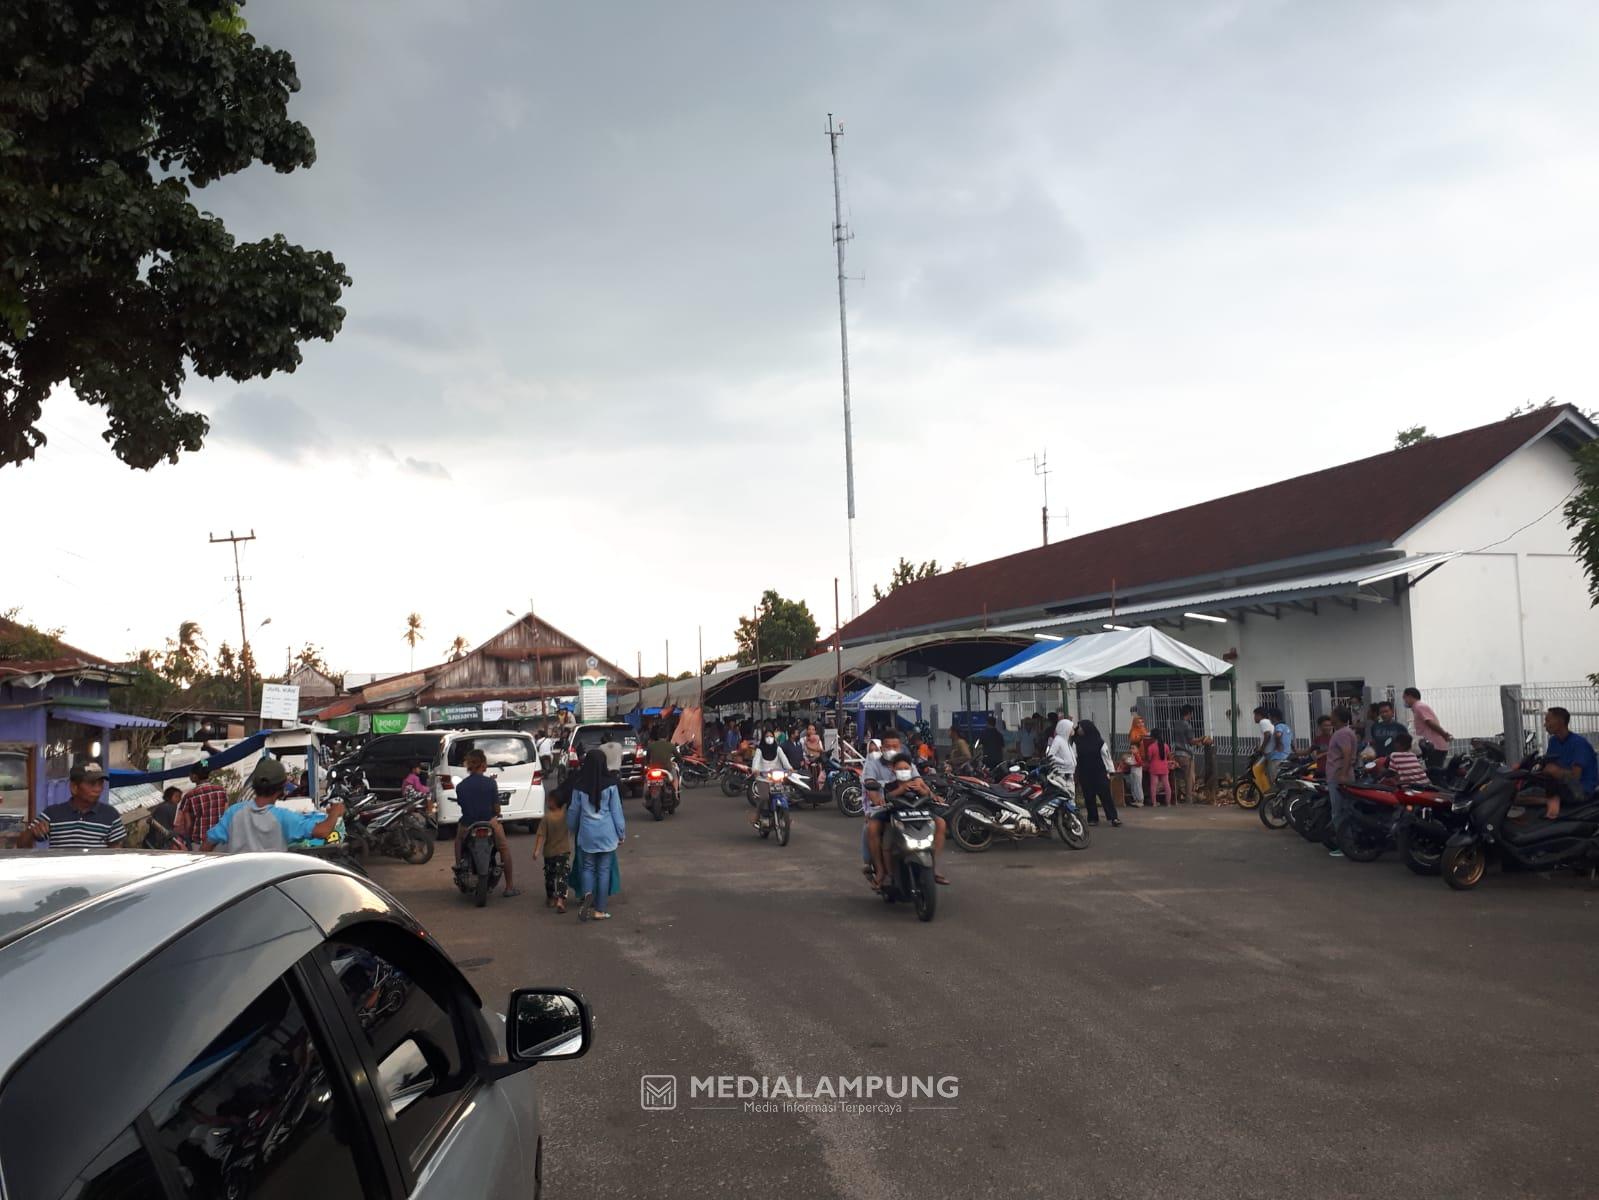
(547, 1023)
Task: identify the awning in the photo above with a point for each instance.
(879, 698)
(959, 653)
(721, 688)
(1124, 654)
(102, 719)
(1354, 583)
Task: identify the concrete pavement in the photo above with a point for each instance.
(1194, 1006)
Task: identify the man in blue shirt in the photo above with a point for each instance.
(1570, 756)
(479, 797)
(261, 824)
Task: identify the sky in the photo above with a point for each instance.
(591, 361)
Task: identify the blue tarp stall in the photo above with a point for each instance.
(876, 697)
(102, 719)
(222, 758)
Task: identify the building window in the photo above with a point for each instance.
(1341, 689)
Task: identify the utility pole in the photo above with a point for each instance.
(244, 634)
(838, 676)
(538, 656)
(757, 629)
(668, 703)
(840, 236)
(701, 636)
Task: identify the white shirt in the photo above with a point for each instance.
(1061, 751)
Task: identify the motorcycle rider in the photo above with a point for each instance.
(1570, 757)
(479, 798)
(767, 756)
(895, 774)
(814, 752)
(662, 753)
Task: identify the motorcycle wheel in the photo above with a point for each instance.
(732, 784)
(1274, 811)
(1357, 845)
(849, 800)
(1464, 866)
(972, 836)
(1421, 849)
(1071, 829)
(780, 824)
(1245, 793)
(421, 847)
(481, 896)
(924, 892)
(657, 809)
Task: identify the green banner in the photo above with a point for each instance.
(455, 714)
(390, 722)
(350, 723)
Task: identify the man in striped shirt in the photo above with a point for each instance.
(83, 822)
(202, 807)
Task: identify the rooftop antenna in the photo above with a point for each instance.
(840, 236)
(1041, 469)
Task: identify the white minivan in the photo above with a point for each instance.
(513, 764)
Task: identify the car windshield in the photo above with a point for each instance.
(502, 750)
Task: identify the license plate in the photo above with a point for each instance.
(505, 797)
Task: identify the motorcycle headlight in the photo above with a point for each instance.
(917, 840)
(776, 776)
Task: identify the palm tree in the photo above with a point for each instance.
(458, 648)
(413, 633)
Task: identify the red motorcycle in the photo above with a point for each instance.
(660, 792)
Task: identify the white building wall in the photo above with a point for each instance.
(1511, 612)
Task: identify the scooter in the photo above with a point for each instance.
(844, 782)
(478, 870)
(1534, 843)
(908, 836)
(660, 793)
(809, 787)
(769, 795)
(735, 777)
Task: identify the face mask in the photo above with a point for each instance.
(904, 774)
(771, 741)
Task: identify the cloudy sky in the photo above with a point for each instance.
(1185, 246)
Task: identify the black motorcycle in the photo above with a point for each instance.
(478, 869)
(660, 793)
(396, 828)
(908, 837)
(1534, 843)
(979, 815)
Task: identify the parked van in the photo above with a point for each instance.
(513, 764)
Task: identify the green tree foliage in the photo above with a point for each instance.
(905, 572)
(1411, 436)
(23, 639)
(1582, 516)
(185, 676)
(111, 280)
(786, 630)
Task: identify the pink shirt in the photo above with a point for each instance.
(1428, 731)
(1157, 759)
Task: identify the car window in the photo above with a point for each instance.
(124, 1170)
(257, 1114)
(13, 772)
(403, 1011)
(501, 750)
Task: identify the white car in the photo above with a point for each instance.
(513, 765)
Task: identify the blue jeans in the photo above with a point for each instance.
(1340, 806)
(596, 875)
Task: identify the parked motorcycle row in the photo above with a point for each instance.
(1472, 813)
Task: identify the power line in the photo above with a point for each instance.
(238, 587)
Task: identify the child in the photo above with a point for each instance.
(1157, 757)
(1403, 762)
(554, 840)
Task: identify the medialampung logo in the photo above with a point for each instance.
(851, 1095)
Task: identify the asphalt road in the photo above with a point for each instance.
(1193, 1006)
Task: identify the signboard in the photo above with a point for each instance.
(494, 710)
(455, 714)
(280, 702)
(349, 723)
(591, 698)
(525, 708)
(390, 722)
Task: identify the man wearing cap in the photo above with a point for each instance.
(84, 821)
(260, 824)
(202, 806)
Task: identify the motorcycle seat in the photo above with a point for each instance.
(1536, 829)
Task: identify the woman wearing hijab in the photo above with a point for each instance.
(1093, 772)
(595, 818)
(768, 756)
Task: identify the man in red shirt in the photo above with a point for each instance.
(201, 808)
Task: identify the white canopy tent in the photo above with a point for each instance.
(880, 698)
(1118, 654)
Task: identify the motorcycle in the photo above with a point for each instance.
(981, 814)
(769, 795)
(660, 793)
(1535, 843)
(735, 777)
(695, 770)
(908, 839)
(397, 828)
(478, 869)
(808, 786)
(1423, 830)
(1298, 779)
(844, 784)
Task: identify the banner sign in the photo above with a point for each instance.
(525, 708)
(455, 714)
(591, 697)
(494, 710)
(390, 722)
(280, 702)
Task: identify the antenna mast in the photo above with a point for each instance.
(840, 236)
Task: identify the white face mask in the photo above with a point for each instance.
(904, 774)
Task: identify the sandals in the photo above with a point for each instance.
(510, 892)
(600, 916)
(940, 880)
(560, 904)
(585, 908)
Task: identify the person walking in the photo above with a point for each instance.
(553, 846)
(261, 823)
(595, 818)
(1136, 733)
(1431, 738)
(1183, 742)
(960, 750)
(1093, 772)
(202, 807)
(1157, 756)
(1341, 754)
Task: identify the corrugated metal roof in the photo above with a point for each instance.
(812, 677)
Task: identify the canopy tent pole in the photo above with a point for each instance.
(1232, 753)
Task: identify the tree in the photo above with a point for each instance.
(786, 629)
(413, 633)
(185, 660)
(905, 572)
(111, 279)
(458, 648)
(1582, 516)
(22, 639)
(310, 656)
(1412, 436)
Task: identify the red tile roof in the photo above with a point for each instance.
(1361, 504)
